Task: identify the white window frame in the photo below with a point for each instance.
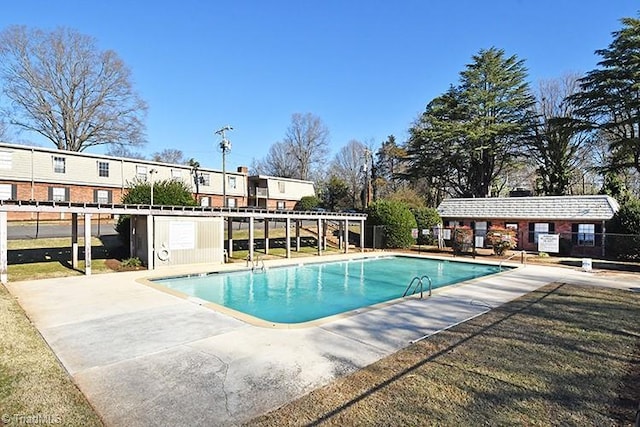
(281, 186)
(58, 194)
(142, 172)
(204, 201)
(6, 191)
(280, 204)
(59, 164)
(176, 174)
(231, 202)
(102, 197)
(586, 235)
(103, 169)
(511, 225)
(6, 159)
(205, 179)
(538, 229)
(231, 180)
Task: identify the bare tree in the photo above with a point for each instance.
(169, 155)
(307, 140)
(63, 88)
(278, 162)
(118, 150)
(350, 165)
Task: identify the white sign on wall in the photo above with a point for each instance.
(549, 243)
(182, 235)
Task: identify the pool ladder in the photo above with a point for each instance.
(256, 263)
(419, 284)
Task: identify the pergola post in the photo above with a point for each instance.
(297, 235)
(362, 235)
(74, 240)
(319, 236)
(346, 236)
(3, 249)
(87, 244)
(251, 230)
(287, 235)
(266, 236)
(229, 236)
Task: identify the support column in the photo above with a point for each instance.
(151, 253)
(87, 244)
(319, 236)
(229, 237)
(297, 235)
(287, 236)
(362, 235)
(266, 236)
(603, 239)
(74, 240)
(346, 236)
(4, 263)
(251, 230)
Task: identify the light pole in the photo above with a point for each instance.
(151, 173)
(225, 146)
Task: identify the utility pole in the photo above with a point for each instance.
(225, 146)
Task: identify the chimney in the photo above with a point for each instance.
(243, 169)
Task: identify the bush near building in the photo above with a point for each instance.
(426, 219)
(501, 239)
(397, 220)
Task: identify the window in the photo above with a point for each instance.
(204, 201)
(511, 225)
(232, 182)
(102, 196)
(538, 228)
(176, 174)
(141, 173)
(59, 194)
(59, 164)
(280, 205)
(281, 186)
(7, 191)
(586, 234)
(5, 159)
(103, 169)
(204, 179)
(231, 203)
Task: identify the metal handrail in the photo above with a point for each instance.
(523, 259)
(420, 283)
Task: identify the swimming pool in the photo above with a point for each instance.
(306, 292)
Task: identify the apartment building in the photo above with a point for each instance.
(42, 174)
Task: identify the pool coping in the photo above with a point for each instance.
(263, 323)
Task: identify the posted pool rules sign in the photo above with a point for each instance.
(549, 243)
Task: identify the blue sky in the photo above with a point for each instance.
(366, 68)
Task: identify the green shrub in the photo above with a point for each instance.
(501, 239)
(168, 192)
(462, 239)
(307, 203)
(397, 220)
(625, 224)
(133, 262)
(426, 218)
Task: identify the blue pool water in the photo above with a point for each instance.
(307, 292)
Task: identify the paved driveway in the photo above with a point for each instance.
(144, 357)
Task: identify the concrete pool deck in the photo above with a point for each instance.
(144, 357)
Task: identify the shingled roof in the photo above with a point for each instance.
(592, 208)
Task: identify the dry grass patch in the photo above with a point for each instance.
(34, 387)
(562, 355)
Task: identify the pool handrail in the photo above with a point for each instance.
(523, 258)
(420, 283)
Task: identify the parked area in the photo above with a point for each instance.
(140, 355)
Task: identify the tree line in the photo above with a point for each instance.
(490, 132)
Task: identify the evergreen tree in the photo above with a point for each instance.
(610, 96)
(469, 136)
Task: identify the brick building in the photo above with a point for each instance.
(41, 174)
(578, 220)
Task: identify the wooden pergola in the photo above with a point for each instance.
(87, 210)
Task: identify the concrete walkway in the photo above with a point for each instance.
(144, 357)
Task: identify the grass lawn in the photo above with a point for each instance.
(562, 355)
(34, 388)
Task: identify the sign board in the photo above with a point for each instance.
(182, 235)
(446, 234)
(479, 242)
(425, 231)
(549, 243)
(414, 233)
